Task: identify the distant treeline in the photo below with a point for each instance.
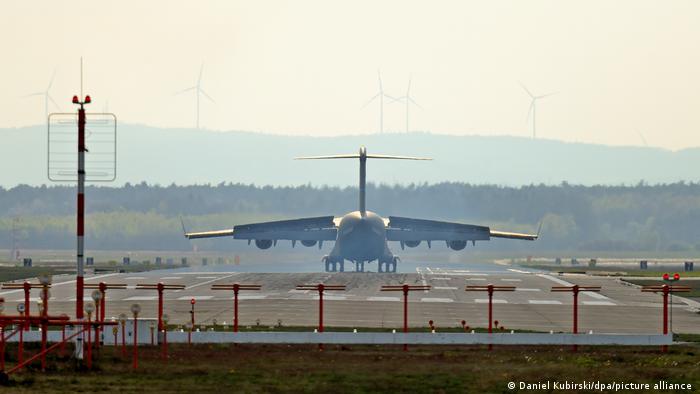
(628, 218)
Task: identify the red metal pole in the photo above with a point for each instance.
(81, 214)
(27, 288)
(575, 291)
(103, 290)
(165, 345)
(2, 347)
(44, 326)
(666, 292)
(115, 340)
(20, 351)
(152, 342)
(405, 314)
(136, 351)
(235, 307)
(89, 344)
(192, 312)
(490, 291)
(123, 339)
(160, 306)
(320, 312)
(97, 327)
(63, 339)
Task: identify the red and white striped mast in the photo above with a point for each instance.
(81, 204)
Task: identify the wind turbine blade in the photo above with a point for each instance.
(201, 69)
(51, 81)
(526, 90)
(408, 90)
(414, 103)
(393, 100)
(370, 101)
(389, 97)
(547, 95)
(379, 74)
(34, 94)
(206, 95)
(184, 90)
(54, 102)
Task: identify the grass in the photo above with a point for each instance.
(604, 270)
(358, 369)
(693, 284)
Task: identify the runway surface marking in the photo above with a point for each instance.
(135, 278)
(332, 297)
(207, 277)
(441, 278)
(422, 277)
(430, 299)
(250, 297)
(171, 277)
(61, 283)
(588, 293)
(383, 299)
(141, 298)
(526, 289)
(295, 291)
(607, 303)
(486, 301)
(544, 302)
(481, 279)
(511, 280)
(196, 297)
(209, 281)
(444, 288)
(518, 271)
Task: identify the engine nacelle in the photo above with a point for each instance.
(457, 245)
(412, 244)
(308, 242)
(263, 243)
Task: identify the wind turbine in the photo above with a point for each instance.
(408, 100)
(47, 96)
(533, 107)
(381, 96)
(198, 90)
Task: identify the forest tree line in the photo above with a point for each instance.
(147, 217)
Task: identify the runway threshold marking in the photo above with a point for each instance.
(209, 281)
(444, 288)
(171, 277)
(140, 298)
(565, 283)
(511, 280)
(63, 283)
(377, 298)
(602, 303)
(544, 302)
(422, 277)
(526, 289)
(486, 301)
(431, 299)
(196, 297)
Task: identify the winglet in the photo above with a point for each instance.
(184, 230)
(539, 229)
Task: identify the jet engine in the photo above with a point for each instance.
(412, 244)
(263, 243)
(308, 242)
(457, 245)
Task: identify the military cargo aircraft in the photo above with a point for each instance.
(361, 236)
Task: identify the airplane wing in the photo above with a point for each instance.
(320, 228)
(411, 230)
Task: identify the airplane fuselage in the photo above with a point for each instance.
(361, 238)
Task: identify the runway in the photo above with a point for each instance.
(618, 308)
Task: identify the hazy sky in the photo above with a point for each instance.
(622, 68)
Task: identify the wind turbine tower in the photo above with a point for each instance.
(380, 95)
(198, 91)
(533, 108)
(408, 100)
(47, 97)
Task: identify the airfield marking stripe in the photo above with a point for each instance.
(135, 278)
(248, 297)
(565, 283)
(526, 289)
(209, 281)
(61, 283)
(441, 278)
(207, 277)
(327, 297)
(544, 302)
(606, 303)
(140, 298)
(379, 298)
(196, 297)
(481, 279)
(444, 288)
(171, 277)
(486, 301)
(431, 299)
(511, 280)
